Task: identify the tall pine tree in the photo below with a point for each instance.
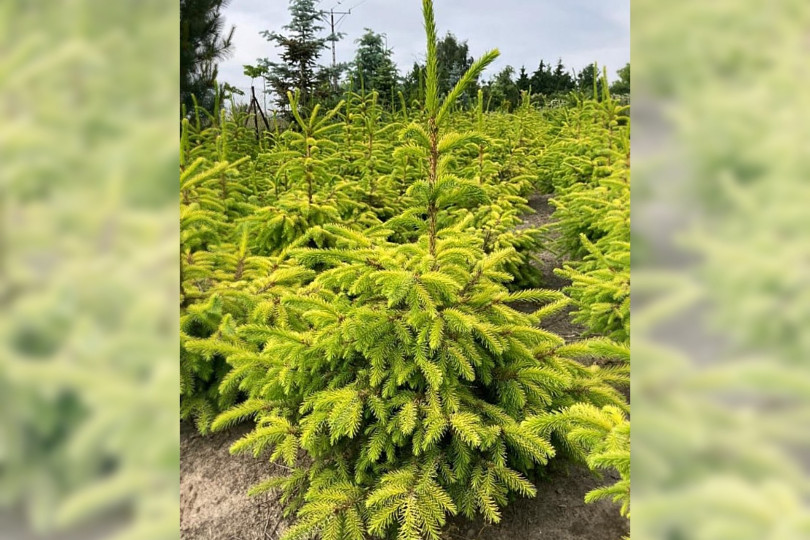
(203, 42)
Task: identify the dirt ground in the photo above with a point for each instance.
(214, 504)
(213, 484)
(213, 490)
(559, 323)
(558, 512)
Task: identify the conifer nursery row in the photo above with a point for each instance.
(351, 285)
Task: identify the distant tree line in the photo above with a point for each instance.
(302, 42)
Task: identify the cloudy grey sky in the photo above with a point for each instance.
(525, 31)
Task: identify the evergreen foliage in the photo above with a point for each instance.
(548, 81)
(453, 59)
(601, 436)
(348, 285)
(587, 167)
(373, 68)
(622, 85)
(589, 81)
(300, 49)
(202, 43)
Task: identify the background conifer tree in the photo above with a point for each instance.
(300, 49)
(453, 60)
(203, 42)
(523, 81)
(373, 68)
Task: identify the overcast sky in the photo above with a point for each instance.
(525, 31)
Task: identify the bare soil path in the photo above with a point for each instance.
(214, 504)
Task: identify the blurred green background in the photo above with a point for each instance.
(721, 269)
(88, 269)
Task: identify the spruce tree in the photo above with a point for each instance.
(373, 68)
(541, 79)
(397, 383)
(563, 81)
(499, 220)
(313, 194)
(300, 49)
(370, 151)
(223, 280)
(523, 81)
